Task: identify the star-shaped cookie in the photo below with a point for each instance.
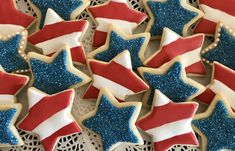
(215, 11)
(12, 47)
(222, 50)
(56, 32)
(117, 42)
(11, 85)
(49, 116)
(116, 76)
(177, 15)
(216, 126)
(9, 135)
(56, 73)
(171, 80)
(114, 122)
(67, 9)
(115, 12)
(173, 45)
(169, 123)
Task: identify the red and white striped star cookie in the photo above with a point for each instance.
(57, 32)
(222, 81)
(169, 123)
(216, 11)
(116, 76)
(49, 116)
(115, 12)
(173, 45)
(10, 86)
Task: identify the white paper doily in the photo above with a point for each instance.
(88, 140)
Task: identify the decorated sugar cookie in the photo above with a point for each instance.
(173, 45)
(117, 42)
(9, 135)
(56, 32)
(222, 50)
(115, 12)
(177, 15)
(12, 47)
(114, 122)
(216, 126)
(11, 85)
(49, 116)
(215, 11)
(67, 9)
(222, 81)
(116, 76)
(56, 73)
(169, 123)
(171, 80)
(11, 19)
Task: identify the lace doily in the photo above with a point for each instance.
(87, 140)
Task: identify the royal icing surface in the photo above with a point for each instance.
(174, 125)
(171, 80)
(113, 121)
(115, 12)
(56, 73)
(173, 45)
(215, 11)
(117, 42)
(222, 48)
(162, 16)
(57, 32)
(55, 121)
(116, 76)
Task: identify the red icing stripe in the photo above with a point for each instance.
(56, 30)
(91, 93)
(99, 38)
(196, 68)
(205, 26)
(187, 138)
(78, 54)
(59, 102)
(116, 10)
(49, 142)
(118, 74)
(207, 96)
(168, 113)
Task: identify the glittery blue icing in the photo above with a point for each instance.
(53, 77)
(6, 135)
(118, 44)
(171, 84)
(10, 59)
(225, 50)
(62, 7)
(169, 14)
(219, 129)
(112, 123)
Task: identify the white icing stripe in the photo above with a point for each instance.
(6, 97)
(125, 26)
(191, 57)
(169, 37)
(116, 89)
(160, 99)
(34, 96)
(228, 93)
(52, 17)
(53, 124)
(124, 59)
(216, 15)
(48, 46)
(165, 131)
(7, 29)
(119, 1)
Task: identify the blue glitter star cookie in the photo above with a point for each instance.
(114, 122)
(67, 9)
(171, 80)
(174, 14)
(8, 133)
(216, 126)
(222, 50)
(57, 73)
(117, 42)
(12, 55)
